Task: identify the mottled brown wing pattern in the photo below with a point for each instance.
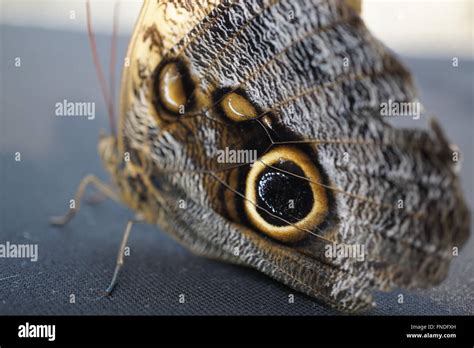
(160, 26)
(307, 78)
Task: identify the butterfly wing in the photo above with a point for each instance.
(307, 80)
(160, 26)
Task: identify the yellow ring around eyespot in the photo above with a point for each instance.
(237, 108)
(229, 195)
(171, 89)
(290, 233)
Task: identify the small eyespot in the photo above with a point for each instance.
(267, 121)
(237, 107)
(171, 88)
(284, 196)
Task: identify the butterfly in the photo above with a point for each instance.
(251, 132)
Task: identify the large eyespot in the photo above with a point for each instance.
(173, 87)
(284, 195)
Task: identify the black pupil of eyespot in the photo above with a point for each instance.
(283, 194)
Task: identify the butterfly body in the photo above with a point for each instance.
(270, 78)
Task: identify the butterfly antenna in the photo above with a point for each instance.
(99, 70)
(113, 56)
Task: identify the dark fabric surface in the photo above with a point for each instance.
(79, 259)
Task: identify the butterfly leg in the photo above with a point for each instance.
(120, 256)
(95, 198)
(88, 180)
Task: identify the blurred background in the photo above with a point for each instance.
(410, 27)
(49, 36)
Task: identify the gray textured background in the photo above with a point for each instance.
(58, 152)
